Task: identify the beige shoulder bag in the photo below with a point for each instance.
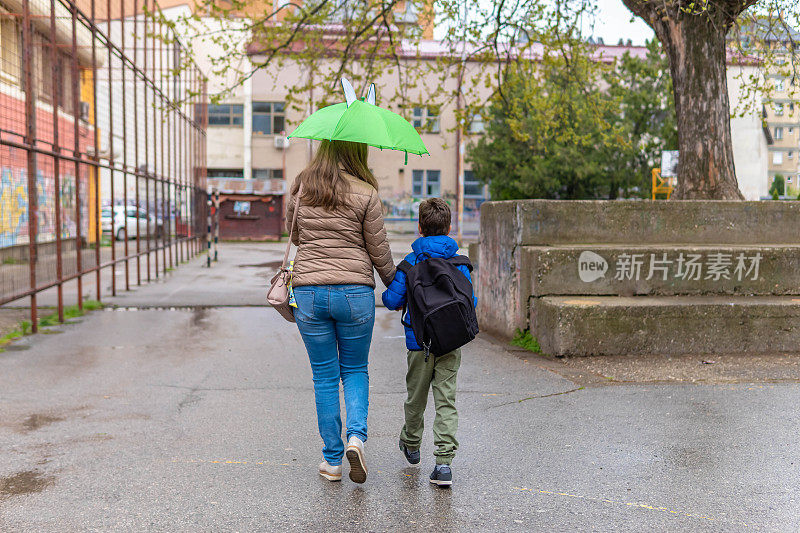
(278, 293)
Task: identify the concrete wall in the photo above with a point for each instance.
(530, 248)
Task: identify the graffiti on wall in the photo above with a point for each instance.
(14, 214)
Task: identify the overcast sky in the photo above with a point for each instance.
(614, 23)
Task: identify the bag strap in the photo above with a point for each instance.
(291, 228)
(461, 260)
(404, 267)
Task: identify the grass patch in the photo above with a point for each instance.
(105, 242)
(525, 340)
(71, 311)
(12, 261)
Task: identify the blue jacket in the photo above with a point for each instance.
(394, 297)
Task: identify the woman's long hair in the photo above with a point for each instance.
(323, 182)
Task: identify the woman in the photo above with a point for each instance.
(340, 238)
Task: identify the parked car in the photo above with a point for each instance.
(133, 215)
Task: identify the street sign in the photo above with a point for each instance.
(669, 163)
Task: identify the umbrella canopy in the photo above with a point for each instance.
(363, 122)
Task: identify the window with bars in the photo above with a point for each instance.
(268, 117)
(10, 45)
(67, 93)
(225, 114)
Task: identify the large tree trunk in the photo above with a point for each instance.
(695, 46)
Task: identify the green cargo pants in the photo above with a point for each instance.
(438, 373)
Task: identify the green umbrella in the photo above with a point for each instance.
(363, 122)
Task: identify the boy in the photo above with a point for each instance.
(437, 371)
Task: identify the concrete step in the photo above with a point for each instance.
(668, 325)
(628, 270)
(551, 222)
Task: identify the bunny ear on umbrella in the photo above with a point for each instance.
(363, 122)
(371, 94)
(349, 92)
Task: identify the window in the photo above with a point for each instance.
(790, 155)
(789, 179)
(473, 188)
(779, 85)
(426, 183)
(268, 173)
(779, 110)
(777, 158)
(426, 119)
(778, 133)
(791, 107)
(10, 44)
(225, 114)
(43, 72)
(66, 83)
(416, 182)
(241, 208)
(791, 131)
(268, 117)
(432, 185)
(225, 173)
(476, 124)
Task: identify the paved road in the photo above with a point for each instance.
(202, 419)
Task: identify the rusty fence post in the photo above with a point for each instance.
(30, 140)
(208, 231)
(69, 128)
(56, 73)
(216, 224)
(76, 152)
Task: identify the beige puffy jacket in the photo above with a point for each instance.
(341, 246)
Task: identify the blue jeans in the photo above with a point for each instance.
(336, 323)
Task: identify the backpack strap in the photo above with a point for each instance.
(461, 260)
(404, 267)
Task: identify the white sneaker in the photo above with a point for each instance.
(331, 473)
(355, 454)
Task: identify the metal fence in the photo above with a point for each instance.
(102, 149)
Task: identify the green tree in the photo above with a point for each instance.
(778, 187)
(547, 127)
(363, 39)
(642, 88)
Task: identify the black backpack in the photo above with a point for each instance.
(439, 297)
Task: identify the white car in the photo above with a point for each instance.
(133, 216)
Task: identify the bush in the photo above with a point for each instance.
(778, 187)
(525, 340)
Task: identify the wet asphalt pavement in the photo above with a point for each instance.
(187, 418)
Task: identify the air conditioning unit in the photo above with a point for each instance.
(84, 109)
(281, 143)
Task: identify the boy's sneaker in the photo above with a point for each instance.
(331, 473)
(442, 476)
(355, 454)
(412, 456)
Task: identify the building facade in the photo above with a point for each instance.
(61, 86)
(247, 131)
(783, 120)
